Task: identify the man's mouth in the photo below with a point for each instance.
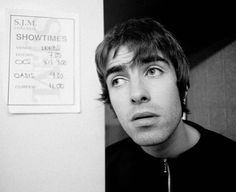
(143, 115)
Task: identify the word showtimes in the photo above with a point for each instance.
(38, 37)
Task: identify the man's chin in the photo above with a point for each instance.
(149, 141)
(150, 136)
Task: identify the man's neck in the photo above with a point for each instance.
(183, 138)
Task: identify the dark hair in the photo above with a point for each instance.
(145, 37)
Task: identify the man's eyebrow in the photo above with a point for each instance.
(149, 59)
(115, 69)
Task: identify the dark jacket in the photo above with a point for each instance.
(209, 166)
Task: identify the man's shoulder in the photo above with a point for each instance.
(120, 146)
(213, 138)
(121, 151)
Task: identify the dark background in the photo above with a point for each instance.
(195, 24)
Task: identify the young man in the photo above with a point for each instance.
(145, 78)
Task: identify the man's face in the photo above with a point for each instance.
(144, 96)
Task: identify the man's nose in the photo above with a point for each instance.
(138, 92)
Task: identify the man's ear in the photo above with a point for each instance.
(185, 96)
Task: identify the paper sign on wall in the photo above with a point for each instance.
(43, 63)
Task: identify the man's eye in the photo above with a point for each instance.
(118, 81)
(153, 72)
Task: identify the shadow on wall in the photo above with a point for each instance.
(211, 98)
(197, 58)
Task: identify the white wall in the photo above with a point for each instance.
(55, 152)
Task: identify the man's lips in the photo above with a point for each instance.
(143, 115)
